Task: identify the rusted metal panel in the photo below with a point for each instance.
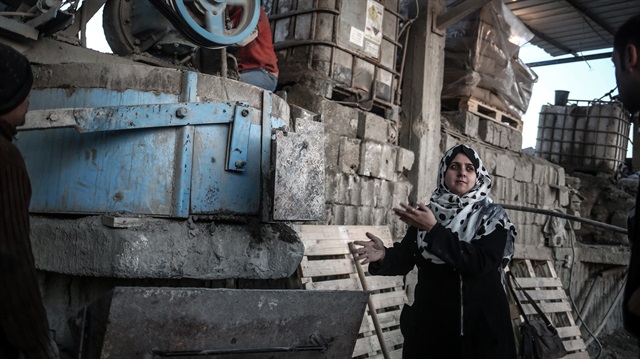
(193, 322)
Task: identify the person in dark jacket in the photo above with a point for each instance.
(626, 58)
(24, 328)
(460, 242)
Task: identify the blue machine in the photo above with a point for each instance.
(94, 150)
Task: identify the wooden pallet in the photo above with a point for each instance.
(328, 265)
(534, 270)
(484, 110)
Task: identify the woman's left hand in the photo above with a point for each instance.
(420, 217)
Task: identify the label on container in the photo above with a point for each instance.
(356, 36)
(373, 26)
(371, 49)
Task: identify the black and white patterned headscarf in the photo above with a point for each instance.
(471, 215)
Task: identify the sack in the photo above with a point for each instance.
(539, 341)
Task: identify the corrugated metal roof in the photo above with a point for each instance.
(568, 27)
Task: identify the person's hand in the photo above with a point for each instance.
(371, 251)
(420, 217)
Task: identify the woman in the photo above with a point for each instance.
(460, 242)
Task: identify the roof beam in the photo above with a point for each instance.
(591, 16)
(567, 60)
(458, 12)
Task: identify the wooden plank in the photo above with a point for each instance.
(366, 345)
(574, 345)
(386, 320)
(384, 282)
(337, 284)
(557, 307)
(532, 253)
(578, 355)
(539, 282)
(393, 354)
(543, 294)
(327, 267)
(389, 299)
(349, 233)
(566, 332)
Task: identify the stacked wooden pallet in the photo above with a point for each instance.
(534, 270)
(328, 265)
(484, 110)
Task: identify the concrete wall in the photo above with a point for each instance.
(366, 171)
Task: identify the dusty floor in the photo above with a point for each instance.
(618, 345)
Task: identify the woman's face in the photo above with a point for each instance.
(460, 176)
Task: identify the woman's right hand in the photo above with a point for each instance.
(371, 251)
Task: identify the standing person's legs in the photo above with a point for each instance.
(259, 77)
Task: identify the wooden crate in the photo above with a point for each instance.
(533, 268)
(328, 265)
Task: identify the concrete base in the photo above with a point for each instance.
(165, 249)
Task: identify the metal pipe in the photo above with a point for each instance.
(566, 216)
(208, 352)
(372, 308)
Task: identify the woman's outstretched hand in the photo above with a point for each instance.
(371, 251)
(420, 217)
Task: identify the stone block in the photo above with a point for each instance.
(378, 216)
(505, 166)
(332, 187)
(338, 214)
(388, 162)
(498, 189)
(354, 190)
(308, 125)
(515, 140)
(531, 195)
(338, 119)
(539, 173)
(517, 191)
(404, 161)
(486, 131)
(401, 191)
(370, 155)
(297, 112)
(372, 127)
(524, 172)
(563, 196)
(489, 160)
(561, 177)
(332, 152)
(552, 176)
(350, 215)
(464, 122)
(348, 155)
(447, 142)
(343, 189)
(385, 194)
(367, 194)
(364, 215)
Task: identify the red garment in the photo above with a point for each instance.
(259, 53)
(23, 320)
